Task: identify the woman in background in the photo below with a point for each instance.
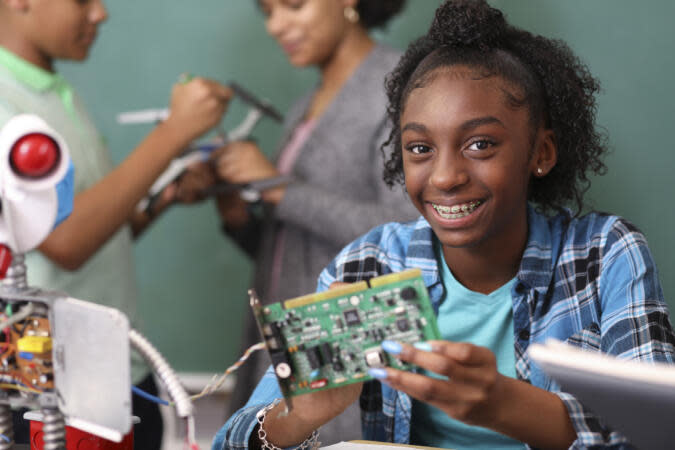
(331, 149)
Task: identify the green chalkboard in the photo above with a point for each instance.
(193, 280)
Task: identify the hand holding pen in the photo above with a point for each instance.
(196, 107)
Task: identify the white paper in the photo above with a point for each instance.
(635, 398)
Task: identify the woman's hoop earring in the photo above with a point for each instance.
(351, 14)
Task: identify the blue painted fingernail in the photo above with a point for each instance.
(424, 346)
(378, 374)
(392, 347)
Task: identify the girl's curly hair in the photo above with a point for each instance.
(551, 81)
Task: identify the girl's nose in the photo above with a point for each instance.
(449, 171)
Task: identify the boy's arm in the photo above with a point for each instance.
(100, 211)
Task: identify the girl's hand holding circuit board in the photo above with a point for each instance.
(309, 412)
(472, 391)
(469, 389)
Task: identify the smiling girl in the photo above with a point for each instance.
(495, 135)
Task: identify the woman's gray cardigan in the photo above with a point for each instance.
(337, 194)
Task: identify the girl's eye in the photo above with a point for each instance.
(418, 149)
(481, 144)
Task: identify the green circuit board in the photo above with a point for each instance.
(330, 339)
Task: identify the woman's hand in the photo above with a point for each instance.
(243, 162)
(190, 187)
(472, 390)
(233, 210)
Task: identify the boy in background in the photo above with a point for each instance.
(90, 254)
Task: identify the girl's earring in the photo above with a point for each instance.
(351, 14)
(539, 171)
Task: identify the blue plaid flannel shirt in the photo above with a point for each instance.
(588, 281)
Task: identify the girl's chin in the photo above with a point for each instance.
(456, 239)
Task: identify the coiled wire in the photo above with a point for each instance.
(54, 429)
(166, 374)
(6, 428)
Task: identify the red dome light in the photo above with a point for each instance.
(35, 155)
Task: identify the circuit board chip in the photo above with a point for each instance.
(352, 317)
(403, 324)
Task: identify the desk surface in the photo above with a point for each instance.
(372, 445)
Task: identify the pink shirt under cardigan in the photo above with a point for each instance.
(287, 157)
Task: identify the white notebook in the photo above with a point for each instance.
(635, 398)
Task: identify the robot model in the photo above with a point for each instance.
(66, 357)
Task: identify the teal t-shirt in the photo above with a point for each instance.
(485, 320)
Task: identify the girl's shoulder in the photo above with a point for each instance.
(391, 237)
(593, 230)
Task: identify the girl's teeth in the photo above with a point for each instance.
(456, 211)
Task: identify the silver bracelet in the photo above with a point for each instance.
(311, 443)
